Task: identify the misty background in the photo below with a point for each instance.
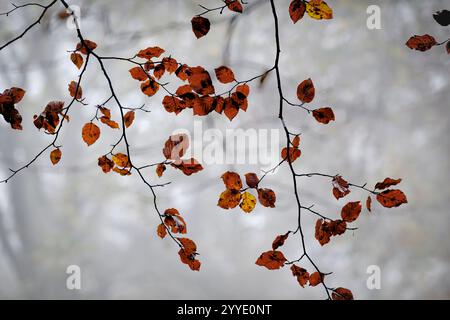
(392, 119)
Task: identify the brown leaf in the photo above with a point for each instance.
(316, 278)
(301, 274)
(129, 118)
(160, 169)
(342, 294)
(224, 74)
(391, 198)
(170, 64)
(55, 156)
(267, 198)
(138, 73)
(200, 26)
(161, 230)
(90, 133)
(150, 52)
(105, 163)
(340, 187)
(350, 212)
(306, 91)
(121, 160)
(252, 180)
(200, 80)
(294, 154)
(386, 183)
(234, 5)
(176, 146)
(85, 46)
(271, 260)
(369, 204)
(421, 43)
(159, 71)
(232, 180)
(77, 59)
(75, 89)
(323, 115)
(279, 241)
(110, 123)
(188, 167)
(150, 87)
(297, 9)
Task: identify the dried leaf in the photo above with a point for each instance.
(248, 202)
(55, 156)
(200, 26)
(271, 260)
(90, 133)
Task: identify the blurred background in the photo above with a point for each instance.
(392, 119)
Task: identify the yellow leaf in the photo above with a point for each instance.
(248, 202)
(319, 10)
(55, 156)
(121, 160)
(90, 133)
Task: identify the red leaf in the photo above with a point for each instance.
(200, 80)
(350, 212)
(234, 5)
(306, 91)
(271, 260)
(200, 26)
(340, 187)
(188, 167)
(75, 90)
(421, 43)
(301, 274)
(323, 115)
(150, 52)
(342, 294)
(161, 230)
(105, 163)
(297, 9)
(316, 278)
(267, 198)
(150, 87)
(224, 74)
(138, 73)
(279, 241)
(85, 46)
(391, 198)
(160, 169)
(388, 182)
(252, 180)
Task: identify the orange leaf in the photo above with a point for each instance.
(150, 52)
(83, 47)
(391, 198)
(224, 74)
(150, 87)
(188, 166)
(340, 187)
(176, 146)
(129, 118)
(301, 274)
(200, 26)
(267, 198)
(306, 91)
(77, 59)
(232, 180)
(294, 154)
(297, 9)
(234, 5)
(121, 160)
(421, 43)
(271, 260)
(161, 230)
(200, 80)
(160, 169)
(159, 71)
(323, 115)
(350, 212)
(170, 64)
(90, 133)
(138, 73)
(369, 203)
(110, 123)
(55, 156)
(75, 89)
(316, 278)
(229, 199)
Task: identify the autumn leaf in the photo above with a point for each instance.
(243, 91)
(200, 80)
(386, 183)
(279, 241)
(248, 202)
(294, 154)
(230, 110)
(315, 278)
(150, 53)
(122, 171)
(90, 133)
(159, 71)
(121, 160)
(138, 73)
(232, 180)
(297, 9)
(234, 5)
(188, 167)
(271, 260)
(342, 294)
(224, 74)
(55, 156)
(369, 204)
(200, 26)
(75, 90)
(160, 169)
(110, 123)
(229, 199)
(161, 231)
(323, 115)
(150, 87)
(340, 187)
(181, 72)
(85, 46)
(170, 64)
(350, 212)
(188, 253)
(267, 197)
(442, 17)
(391, 198)
(252, 180)
(301, 274)
(77, 59)
(324, 230)
(306, 91)
(321, 235)
(176, 146)
(421, 43)
(319, 10)
(129, 118)
(8, 110)
(105, 163)
(447, 47)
